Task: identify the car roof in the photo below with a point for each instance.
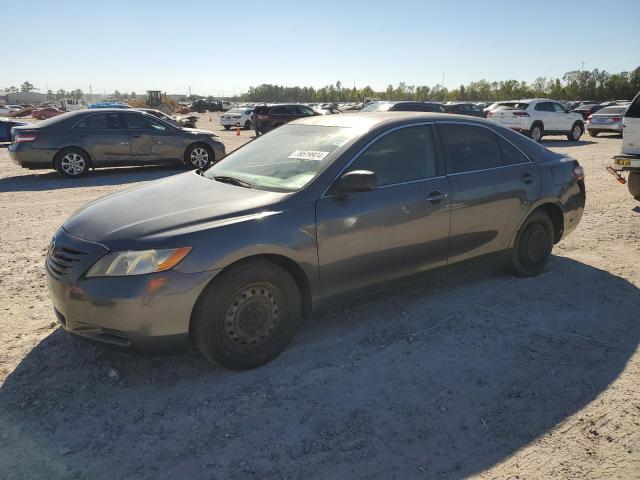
(370, 120)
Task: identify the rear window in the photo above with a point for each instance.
(514, 106)
(612, 110)
(261, 110)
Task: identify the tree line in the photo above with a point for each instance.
(574, 85)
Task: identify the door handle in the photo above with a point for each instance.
(527, 178)
(436, 197)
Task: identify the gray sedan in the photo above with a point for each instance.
(314, 212)
(74, 142)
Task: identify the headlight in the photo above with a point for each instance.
(137, 262)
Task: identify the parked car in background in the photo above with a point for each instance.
(629, 158)
(74, 142)
(327, 109)
(268, 117)
(237, 117)
(230, 258)
(111, 105)
(73, 104)
(587, 109)
(463, 108)
(6, 124)
(202, 106)
(493, 106)
(607, 119)
(402, 106)
(46, 112)
(224, 105)
(188, 121)
(539, 117)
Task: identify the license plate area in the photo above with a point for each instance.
(622, 161)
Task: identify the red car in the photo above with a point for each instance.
(46, 112)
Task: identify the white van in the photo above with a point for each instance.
(71, 104)
(629, 158)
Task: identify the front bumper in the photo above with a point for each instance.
(626, 163)
(143, 312)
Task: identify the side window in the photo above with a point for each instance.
(544, 107)
(475, 108)
(403, 155)
(279, 111)
(558, 108)
(142, 122)
(302, 110)
(510, 154)
(469, 148)
(101, 121)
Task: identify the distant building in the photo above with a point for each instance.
(18, 98)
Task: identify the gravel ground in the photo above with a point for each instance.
(473, 374)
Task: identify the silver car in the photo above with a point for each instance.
(608, 119)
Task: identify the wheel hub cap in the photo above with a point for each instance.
(199, 157)
(73, 164)
(251, 316)
(537, 246)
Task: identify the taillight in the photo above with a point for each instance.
(578, 172)
(263, 117)
(26, 137)
(489, 114)
(616, 119)
(521, 114)
(589, 117)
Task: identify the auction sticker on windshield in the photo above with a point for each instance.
(309, 154)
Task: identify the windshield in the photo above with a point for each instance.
(286, 159)
(377, 107)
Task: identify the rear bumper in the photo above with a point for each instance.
(27, 156)
(604, 127)
(626, 163)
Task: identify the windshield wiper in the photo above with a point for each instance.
(233, 181)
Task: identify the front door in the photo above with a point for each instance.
(399, 229)
(151, 140)
(492, 186)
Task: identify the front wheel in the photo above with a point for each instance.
(576, 132)
(72, 163)
(247, 316)
(533, 246)
(247, 125)
(198, 156)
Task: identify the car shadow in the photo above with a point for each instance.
(565, 143)
(444, 378)
(51, 180)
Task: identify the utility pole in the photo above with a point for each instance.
(442, 80)
(581, 78)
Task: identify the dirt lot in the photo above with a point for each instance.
(469, 375)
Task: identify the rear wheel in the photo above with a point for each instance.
(72, 162)
(247, 316)
(575, 133)
(535, 133)
(533, 246)
(198, 156)
(247, 125)
(593, 133)
(633, 182)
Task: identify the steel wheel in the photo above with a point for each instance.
(199, 157)
(251, 316)
(73, 164)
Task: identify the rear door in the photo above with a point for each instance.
(492, 185)
(105, 136)
(546, 113)
(631, 128)
(151, 140)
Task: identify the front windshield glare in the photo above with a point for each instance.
(377, 107)
(286, 159)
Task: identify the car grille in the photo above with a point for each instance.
(62, 260)
(69, 256)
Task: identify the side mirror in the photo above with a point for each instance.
(356, 181)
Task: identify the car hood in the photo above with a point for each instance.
(166, 208)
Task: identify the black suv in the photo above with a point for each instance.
(463, 108)
(268, 117)
(404, 106)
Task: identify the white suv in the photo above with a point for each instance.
(538, 117)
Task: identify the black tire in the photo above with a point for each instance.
(536, 132)
(533, 245)
(198, 155)
(72, 162)
(593, 133)
(227, 127)
(247, 125)
(258, 133)
(576, 132)
(247, 316)
(633, 183)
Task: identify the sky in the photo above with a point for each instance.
(221, 48)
